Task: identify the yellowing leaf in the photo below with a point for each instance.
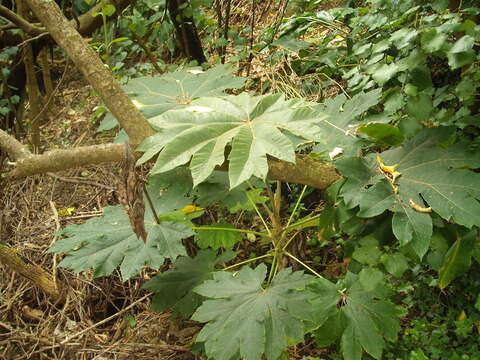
(190, 209)
(389, 170)
(66, 212)
(462, 316)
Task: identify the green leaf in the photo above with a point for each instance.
(430, 175)
(403, 37)
(170, 191)
(254, 126)
(420, 106)
(157, 94)
(396, 264)
(440, 175)
(174, 288)
(108, 241)
(108, 10)
(255, 196)
(367, 318)
(370, 278)
(464, 44)
(367, 252)
(217, 238)
(330, 331)
(376, 200)
(381, 73)
(216, 190)
(432, 41)
(246, 320)
(360, 173)
(383, 133)
(292, 44)
(154, 95)
(342, 112)
(459, 59)
(458, 259)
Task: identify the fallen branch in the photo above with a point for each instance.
(57, 160)
(32, 272)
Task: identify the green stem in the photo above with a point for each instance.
(259, 214)
(304, 265)
(105, 34)
(301, 222)
(296, 205)
(201, 228)
(247, 261)
(290, 240)
(267, 209)
(273, 270)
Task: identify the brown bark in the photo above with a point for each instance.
(32, 272)
(306, 171)
(56, 160)
(22, 23)
(89, 63)
(34, 97)
(13, 147)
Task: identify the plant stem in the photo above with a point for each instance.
(293, 226)
(304, 265)
(296, 205)
(259, 214)
(290, 240)
(273, 269)
(201, 228)
(247, 261)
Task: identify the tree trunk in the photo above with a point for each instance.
(187, 35)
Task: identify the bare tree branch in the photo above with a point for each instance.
(13, 147)
(23, 24)
(62, 159)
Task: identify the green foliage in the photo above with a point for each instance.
(255, 126)
(154, 95)
(174, 288)
(336, 128)
(108, 241)
(246, 320)
(428, 173)
(221, 236)
(458, 259)
(358, 318)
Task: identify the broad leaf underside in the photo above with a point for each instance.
(254, 126)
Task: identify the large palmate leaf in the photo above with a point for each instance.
(174, 288)
(254, 126)
(427, 175)
(361, 319)
(337, 130)
(154, 95)
(157, 94)
(108, 241)
(245, 320)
